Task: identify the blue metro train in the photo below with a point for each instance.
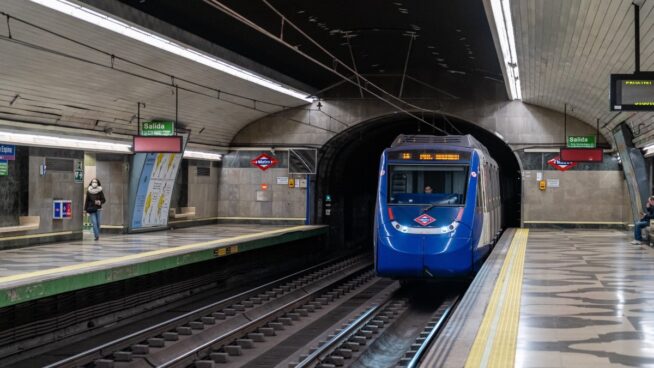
(438, 209)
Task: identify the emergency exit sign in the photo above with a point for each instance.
(157, 128)
(584, 141)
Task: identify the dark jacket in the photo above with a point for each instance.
(92, 195)
(649, 213)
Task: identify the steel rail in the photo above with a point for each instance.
(187, 357)
(137, 336)
(341, 337)
(413, 363)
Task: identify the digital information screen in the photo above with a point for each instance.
(632, 92)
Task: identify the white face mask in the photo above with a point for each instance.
(94, 184)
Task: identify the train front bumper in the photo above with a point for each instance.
(414, 256)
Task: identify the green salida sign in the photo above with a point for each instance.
(583, 141)
(157, 128)
(4, 168)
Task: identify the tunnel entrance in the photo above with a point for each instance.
(349, 169)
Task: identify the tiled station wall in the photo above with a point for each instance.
(13, 189)
(113, 172)
(239, 182)
(55, 184)
(202, 192)
(215, 189)
(587, 193)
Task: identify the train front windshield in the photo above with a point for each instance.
(427, 185)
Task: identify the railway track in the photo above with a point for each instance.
(381, 336)
(152, 346)
(333, 315)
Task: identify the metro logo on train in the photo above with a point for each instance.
(424, 219)
(264, 162)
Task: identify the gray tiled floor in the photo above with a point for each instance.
(587, 301)
(24, 260)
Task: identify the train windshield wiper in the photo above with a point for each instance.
(429, 207)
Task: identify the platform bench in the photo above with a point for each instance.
(184, 213)
(25, 223)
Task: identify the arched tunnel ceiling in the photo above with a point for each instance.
(452, 38)
(73, 86)
(568, 48)
(445, 45)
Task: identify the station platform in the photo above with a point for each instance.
(41, 271)
(555, 298)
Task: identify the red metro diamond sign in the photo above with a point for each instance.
(264, 162)
(424, 219)
(561, 165)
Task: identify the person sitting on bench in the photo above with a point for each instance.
(644, 221)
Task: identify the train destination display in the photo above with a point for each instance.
(632, 92)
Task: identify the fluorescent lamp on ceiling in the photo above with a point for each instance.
(502, 15)
(118, 26)
(542, 150)
(199, 155)
(61, 142)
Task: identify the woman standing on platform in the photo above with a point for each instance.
(94, 201)
(644, 221)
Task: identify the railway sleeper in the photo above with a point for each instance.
(219, 357)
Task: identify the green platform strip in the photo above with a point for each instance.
(45, 288)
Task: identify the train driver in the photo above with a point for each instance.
(428, 190)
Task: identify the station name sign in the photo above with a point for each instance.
(632, 92)
(157, 128)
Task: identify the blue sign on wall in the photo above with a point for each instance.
(7, 152)
(56, 209)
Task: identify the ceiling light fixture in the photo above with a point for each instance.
(118, 26)
(502, 15)
(200, 155)
(61, 142)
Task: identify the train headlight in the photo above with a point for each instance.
(425, 230)
(449, 228)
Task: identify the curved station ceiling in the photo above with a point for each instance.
(63, 70)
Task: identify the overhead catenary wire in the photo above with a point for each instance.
(216, 92)
(340, 62)
(225, 9)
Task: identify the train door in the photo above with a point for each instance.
(483, 217)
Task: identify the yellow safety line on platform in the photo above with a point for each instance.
(495, 344)
(132, 257)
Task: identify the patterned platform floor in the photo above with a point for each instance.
(587, 301)
(24, 260)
